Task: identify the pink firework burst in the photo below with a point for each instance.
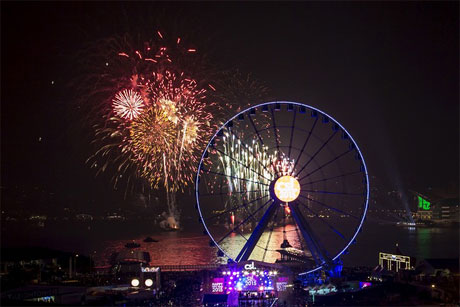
(128, 104)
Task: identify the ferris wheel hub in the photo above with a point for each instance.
(287, 188)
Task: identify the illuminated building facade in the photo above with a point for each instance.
(424, 210)
(446, 210)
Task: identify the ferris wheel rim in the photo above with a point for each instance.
(365, 172)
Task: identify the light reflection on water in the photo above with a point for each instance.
(173, 248)
(235, 242)
(191, 248)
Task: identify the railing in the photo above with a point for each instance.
(197, 267)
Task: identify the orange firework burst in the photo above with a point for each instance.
(168, 138)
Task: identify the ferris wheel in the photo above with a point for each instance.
(282, 182)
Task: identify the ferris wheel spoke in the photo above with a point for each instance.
(235, 208)
(257, 159)
(330, 178)
(256, 131)
(246, 166)
(322, 220)
(279, 128)
(275, 132)
(292, 132)
(257, 233)
(317, 250)
(331, 192)
(317, 152)
(234, 177)
(324, 205)
(231, 193)
(244, 221)
(286, 146)
(305, 144)
(326, 164)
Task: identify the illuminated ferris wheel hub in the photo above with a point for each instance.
(286, 189)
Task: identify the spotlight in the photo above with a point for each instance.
(135, 282)
(148, 282)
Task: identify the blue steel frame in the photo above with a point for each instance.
(255, 236)
(266, 104)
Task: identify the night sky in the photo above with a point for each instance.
(387, 71)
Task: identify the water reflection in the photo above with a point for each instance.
(193, 248)
(173, 248)
(266, 248)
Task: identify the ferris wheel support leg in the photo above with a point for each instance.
(315, 248)
(257, 233)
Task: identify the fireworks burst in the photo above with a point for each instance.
(128, 104)
(158, 111)
(168, 136)
(284, 166)
(238, 91)
(248, 170)
(159, 120)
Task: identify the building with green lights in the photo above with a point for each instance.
(424, 211)
(436, 210)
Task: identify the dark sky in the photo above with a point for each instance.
(387, 71)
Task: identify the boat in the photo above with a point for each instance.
(132, 245)
(150, 239)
